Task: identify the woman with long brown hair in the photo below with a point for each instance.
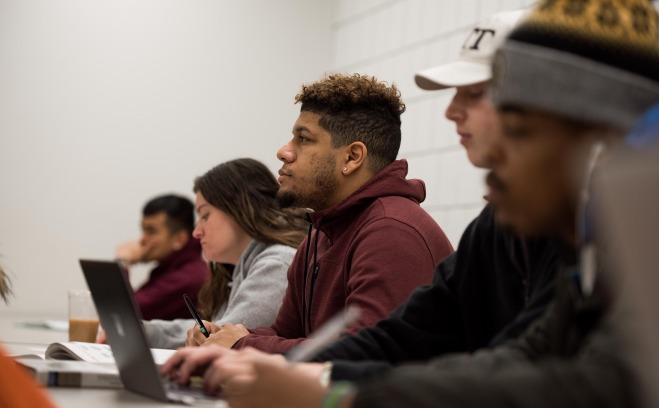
(249, 242)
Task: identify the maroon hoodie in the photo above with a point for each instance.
(183, 271)
(373, 248)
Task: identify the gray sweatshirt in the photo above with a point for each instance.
(257, 289)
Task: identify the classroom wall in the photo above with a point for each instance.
(104, 104)
(393, 39)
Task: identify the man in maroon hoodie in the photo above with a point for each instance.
(167, 224)
(370, 243)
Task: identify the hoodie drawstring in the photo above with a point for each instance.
(306, 269)
(306, 308)
(314, 275)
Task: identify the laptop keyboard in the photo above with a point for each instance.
(191, 395)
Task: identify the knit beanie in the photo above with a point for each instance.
(593, 61)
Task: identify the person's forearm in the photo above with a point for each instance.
(268, 343)
(551, 384)
(169, 334)
(357, 370)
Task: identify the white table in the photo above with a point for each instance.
(22, 329)
(19, 339)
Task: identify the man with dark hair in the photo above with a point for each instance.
(349, 116)
(367, 226)
(179, 211)
(167, 224)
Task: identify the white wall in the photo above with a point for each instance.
(393, 39)
(106, 104)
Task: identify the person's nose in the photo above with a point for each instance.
(285, 153)
(455, 111)
(196, 232)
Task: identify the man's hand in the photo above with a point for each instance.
(269, 382)
(101, 339)
(248, 377)
(236, 364)
(196, 338)
(130, 252)
(228, 335)
(190, 361)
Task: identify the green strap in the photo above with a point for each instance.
(336, 394)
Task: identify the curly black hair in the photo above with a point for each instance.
(357, 108)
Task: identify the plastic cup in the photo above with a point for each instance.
(83, 319)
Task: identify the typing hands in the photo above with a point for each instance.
(273, 384)
(247, 378)
(217, 365)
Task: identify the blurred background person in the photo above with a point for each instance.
(167, 224)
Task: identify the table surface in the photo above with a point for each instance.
(21, 335)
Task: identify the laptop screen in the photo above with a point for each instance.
(122, 322)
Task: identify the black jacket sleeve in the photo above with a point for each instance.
(569, 358)
(510, 376)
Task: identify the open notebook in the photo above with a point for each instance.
(122, 322)
(89, 352)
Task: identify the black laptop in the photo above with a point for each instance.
(122, 322)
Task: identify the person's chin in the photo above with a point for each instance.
(504, 219)
(478, 161)
(516, 223)
(286, 198)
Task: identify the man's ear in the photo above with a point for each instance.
(181, 238)
(355, 158)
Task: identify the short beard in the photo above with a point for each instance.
(325, 184)
(286, 199)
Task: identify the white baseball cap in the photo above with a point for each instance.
(474, 63)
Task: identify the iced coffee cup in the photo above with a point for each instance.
(83, 320)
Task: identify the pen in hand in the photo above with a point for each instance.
(195, 315)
